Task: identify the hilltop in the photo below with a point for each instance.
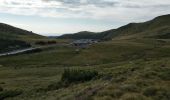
(8, 31)
(159, 27)
(82, 35)
(155, 28)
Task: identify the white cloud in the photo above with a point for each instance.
(123, 10)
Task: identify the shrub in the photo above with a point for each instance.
(162, 94)
(58, 85)
(45, 42)
(1, 89)
(133, 97)
(129, 88)
(150, 91)
(115, 93)
(164, 74)
(40, 43)
(150, 74)
(78, 75)
(12, 44)
(11, 93)
(70, 76)
(51, 42)
(157, 93)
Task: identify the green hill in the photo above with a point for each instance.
(156, 28)
(82, 35)
(12, 38)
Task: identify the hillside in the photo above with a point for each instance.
(82, 35)
(127, 70)
(12, 38)
(156, 28)
(8, 31)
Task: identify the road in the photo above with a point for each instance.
(18, 51)
(29, 49)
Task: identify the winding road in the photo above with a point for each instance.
(29, 49)
(18, 51)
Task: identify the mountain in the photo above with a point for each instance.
(156, 28)
(82, 35)
(8, 31)
(12, 38)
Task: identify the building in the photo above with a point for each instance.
(83, 43)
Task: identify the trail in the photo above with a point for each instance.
(18, 51)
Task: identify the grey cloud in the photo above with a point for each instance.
(96, 9)
(77, 3)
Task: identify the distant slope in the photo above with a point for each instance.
(8, 31)
(82, 35)
(156, 28)
(12, 38)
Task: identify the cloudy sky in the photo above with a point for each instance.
(55, 17)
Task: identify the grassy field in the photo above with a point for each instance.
(127, 70)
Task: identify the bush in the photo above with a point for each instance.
(70, 76)
(162, 94)
(78, 75)
(114, 93)
(11, 93)
(129, 88)
(58, 85)
(157, 93)
(1, 89)
(165, 74)
(45, 42)
(133, 97)
(51, 42)
(12, 44)
(150, 91)
(41, 43)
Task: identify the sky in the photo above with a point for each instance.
(56, 17)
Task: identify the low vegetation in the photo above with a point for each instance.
(73, 76)
(12, 38)
(127, 70)
(9, 93)
(10, 45)
(45, 42)
(70, 77)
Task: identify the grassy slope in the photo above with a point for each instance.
(156, 28)
(133, 69)
(14, 38)
(130, 69)
(82, 35)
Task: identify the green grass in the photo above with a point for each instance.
(156, 28)
(128, 70)
(13, 38)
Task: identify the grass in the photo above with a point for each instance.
(8, 94)
(128, 70)
(9, 45)
(72, 76)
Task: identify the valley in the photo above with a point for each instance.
(132, 64)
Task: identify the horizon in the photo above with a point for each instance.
(57, 17)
